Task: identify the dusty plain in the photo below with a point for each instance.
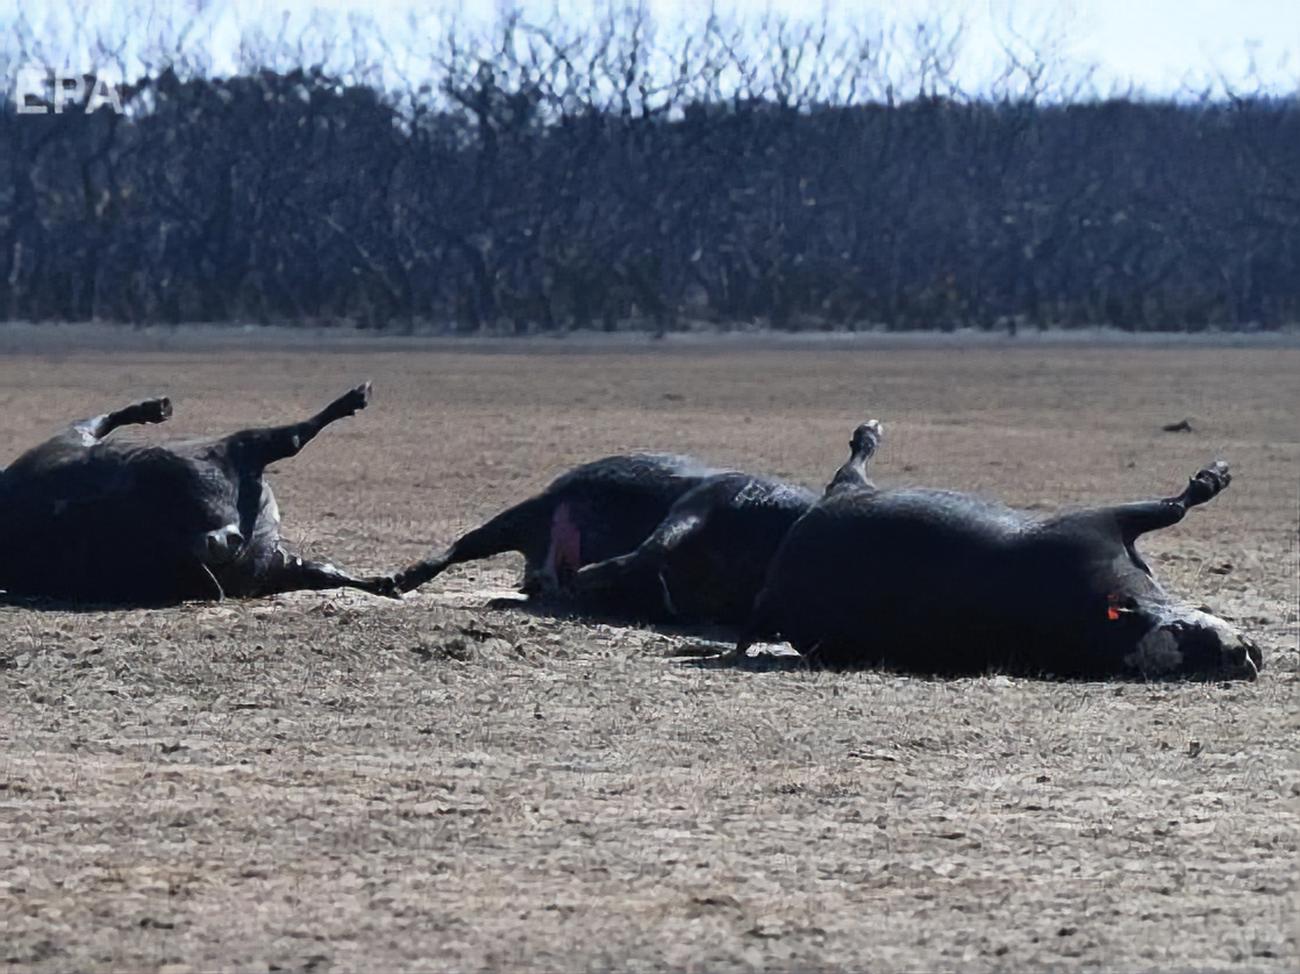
(331, 781)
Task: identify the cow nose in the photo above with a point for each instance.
(224, 543)
(1244, 660)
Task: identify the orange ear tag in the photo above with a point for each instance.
(1115, 607)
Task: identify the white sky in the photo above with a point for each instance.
(1158, 46)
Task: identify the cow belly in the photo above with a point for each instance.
(100, 562)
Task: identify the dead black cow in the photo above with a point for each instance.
(647, 537)
(88, 518)
(942, 582)
(708, 558)
(591, 513)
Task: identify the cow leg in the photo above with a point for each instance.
(97, 427)
(862, 447)
(646, 563)
(514, 529)
(260, 447)
(760, 626)
(291, 573)
(1139, 518)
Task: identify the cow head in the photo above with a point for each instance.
(1168, 639)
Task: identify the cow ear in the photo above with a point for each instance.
(1118, 606)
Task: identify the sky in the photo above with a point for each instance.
(1159, 47)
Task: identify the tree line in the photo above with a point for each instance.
(601, 179)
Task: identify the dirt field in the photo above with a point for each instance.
(332, 781)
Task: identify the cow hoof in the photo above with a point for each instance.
(156, 410)
(867, 437)
(353, 402)
(1208, 482)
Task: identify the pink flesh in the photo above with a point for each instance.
(565, 555)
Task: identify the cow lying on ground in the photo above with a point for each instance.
(645, 537)
(88, 518)
(593, 512)
(707, 559)
(942, 582)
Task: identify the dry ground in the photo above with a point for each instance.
(331, 781)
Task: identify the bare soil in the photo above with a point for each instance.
(333, 781)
